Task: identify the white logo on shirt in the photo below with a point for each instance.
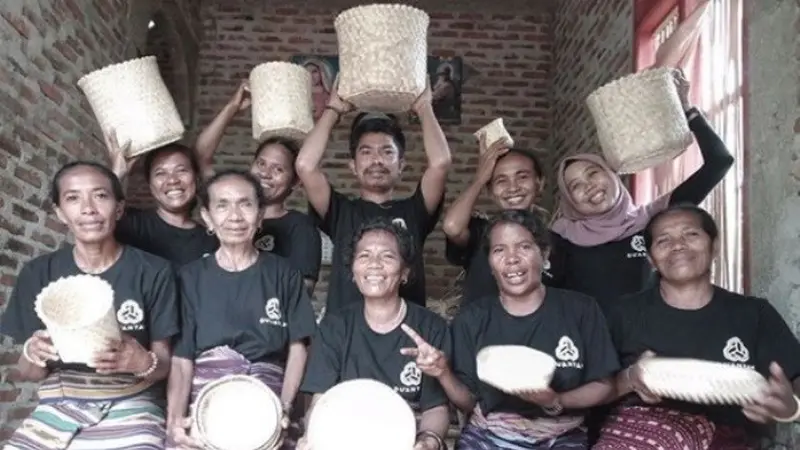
(265, 243)
(637, 244)
(410, 377)
(130, 316)
(735, 351)
(567, 354)
(273, 312)
(400, 222)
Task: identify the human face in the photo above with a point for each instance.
(592, 189)
(681, 250)
(378, 267)
(275, 170)
(515, 259)
(377, 163)
(233, 211)
(173, 182)
(514, 183)
(87, 205)
(315, 75)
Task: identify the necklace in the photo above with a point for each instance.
(401, 315)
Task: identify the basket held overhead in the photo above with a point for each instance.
(640, 121)
(383, 61)
(494, 133)
(78, 312)
(281, 99)
(131, 98)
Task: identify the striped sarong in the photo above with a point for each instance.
(513, 432)
(88, 411)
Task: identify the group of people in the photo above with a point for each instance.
(601, 286)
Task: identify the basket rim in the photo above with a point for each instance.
(347, 13)
(166, 140)
(108, 68)
(92, 318)
(283, 64)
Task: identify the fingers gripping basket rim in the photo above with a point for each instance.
(281, 101)
(494, 132)
(515, 369)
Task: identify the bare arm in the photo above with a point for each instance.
(163, 351)
(590, 394)
(179, 387)
(27, 371)
(437, 150)
(309, 163)
(209, 139)
(457, 392)
(435, 420)
(295, 367)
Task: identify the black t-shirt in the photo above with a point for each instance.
(257, 312)
(343, 218)
(144, 229)
(733, 329)
(568, 325)
(144, 296)
(295, 237)
(346, 348)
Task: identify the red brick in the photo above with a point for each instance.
(18, 23)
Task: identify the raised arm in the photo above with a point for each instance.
(209, 139)
(436, 149)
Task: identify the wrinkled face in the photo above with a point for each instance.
(274, 168)
(592, 189)
(681, 250)
(87, 205)
(515, 259)
(377, 163)
(514, 183)
(173, 182)
(233, 211)
(378, 267)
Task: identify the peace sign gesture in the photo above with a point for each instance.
(430, 360)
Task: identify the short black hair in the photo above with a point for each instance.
(537, 164)
(707, 222)
(151, 156)
(55, 186)
(405, 242)
(530, 220)
(387, 125)
(205, 198)
(291, 146)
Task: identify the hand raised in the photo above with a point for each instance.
(430, 360)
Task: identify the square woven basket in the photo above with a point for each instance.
(281, 96)
(494, 133)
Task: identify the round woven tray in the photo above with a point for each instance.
(131, 98)
(237, 412)
(515, 368)
(640, 121)
(494, 133)
(281, 98)
(78, 312)
(383, 61)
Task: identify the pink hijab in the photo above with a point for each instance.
(624, 219)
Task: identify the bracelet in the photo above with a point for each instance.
(27, 355)
(339, 114)
(553, 410)
(794, 417)
(151, 369)
(440, 444)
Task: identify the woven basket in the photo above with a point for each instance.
(383, 61)
(282, 106)
(131, 98)
(494, 133)
(78, 312)
(361, 414)
(703, 382)
(640, 121)
(515, 368)
(237, 412)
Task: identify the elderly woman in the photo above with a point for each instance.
(565, 324)
(116, 401)
(686, 316)
(244, 311)
(373, 339)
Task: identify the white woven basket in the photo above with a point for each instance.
(494, 133)
(282, 106)
(131, 98)
(237, 412)
(78, 312)
(515, 368)
(383, 61)
(703, 382)
(640, 121)
(361, 414)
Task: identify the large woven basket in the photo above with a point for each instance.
(361, 414)
(131, 98)
(494, 133)
(382, 56)
(282, 106)
(237, 412)
(78, 312)
(640, 121)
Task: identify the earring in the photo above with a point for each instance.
(210, 231)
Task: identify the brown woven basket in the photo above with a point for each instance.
(382, 56)
(640, 121)
(131, 98)
(282, 106)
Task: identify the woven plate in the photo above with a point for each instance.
(697, 381)
(78, 312)
(237, 412)
(131, 98)
(493, 133)
(640, 121)
(515, 368)
(282, 105)
(383, 56)
(361, 414)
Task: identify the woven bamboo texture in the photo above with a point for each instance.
(515, 368)
(493, 134)
(281, 99)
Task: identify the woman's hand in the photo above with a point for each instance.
(178, 436)
(39, 349)
(546, 398)
(241, 99)
(776, 402)
(120, 165)
(682, 84)
(125, 356)
(487, 161)
(424, 100)
(335, 102)
(634, 379)
(430, 360)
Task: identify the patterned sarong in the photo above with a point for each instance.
(513, 432)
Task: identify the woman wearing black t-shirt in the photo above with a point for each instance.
(118, 401)
(565, 324)
(686, 316)
(370, 340)
(244, 311)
